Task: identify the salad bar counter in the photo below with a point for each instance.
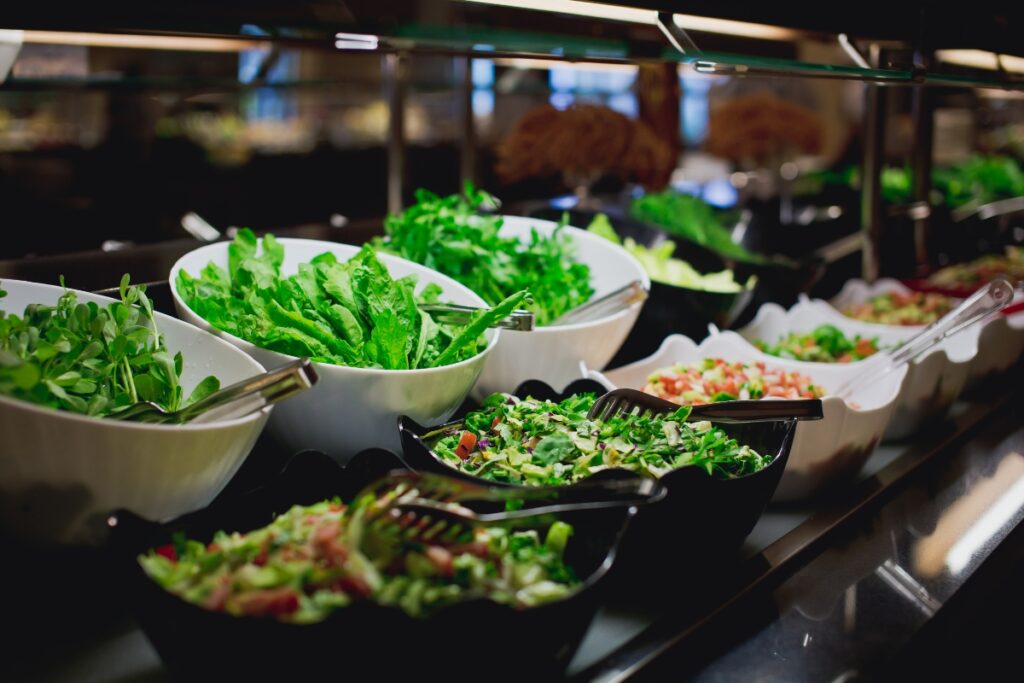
(453, 448)
(853, 584)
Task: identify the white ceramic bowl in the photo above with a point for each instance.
(825, 452)
(351, 409)
(62, 473)
(999, 342)
(553, 354)
(933, 381)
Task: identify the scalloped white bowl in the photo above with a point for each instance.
(999, 342)
(553, 354)
(351, 409)
(825, 452)
(61, 473)
(933, 381)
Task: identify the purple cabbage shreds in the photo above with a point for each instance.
(510, 402)
(551, 414)
(485, 443)
(529, 450)
(600, 446)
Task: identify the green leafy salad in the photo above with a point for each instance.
(313, 560)
(825, 344)
(350, 313)
(526, 441)
(453, 236)
(693, 219)
(661, 267)
(92, 359)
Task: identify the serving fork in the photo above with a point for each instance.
(634, 402)
(427, 507)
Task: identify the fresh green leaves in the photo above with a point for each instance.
(314, 559)
(349, 313)
(693, 219)
(825, 344)
(661, 267)
(526, 441)
(453, 236)
(91, 359)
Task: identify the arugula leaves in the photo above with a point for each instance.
(91, 359)
(349, 313)
(452, 235)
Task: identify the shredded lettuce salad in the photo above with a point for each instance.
(533, 442)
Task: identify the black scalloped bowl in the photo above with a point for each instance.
(456, 642)
(701, 517)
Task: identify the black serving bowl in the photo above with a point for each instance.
(670, 309)
(701, 518)
(780, 278)
(467, 641)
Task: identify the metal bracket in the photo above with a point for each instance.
(852, 52)
(675, 34)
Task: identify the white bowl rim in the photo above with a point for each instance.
(878, 287)
(769, 310)
(581, 234)
(329, 367)
(144, 426)
(828, 398)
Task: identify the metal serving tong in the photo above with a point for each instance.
(454, 314)
(427, 507)
(237, 400)
(983, 304)
(632, 401)
(612, 302)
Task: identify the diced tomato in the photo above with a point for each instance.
(865, 347)
(353, 585)
(495, 422)
(270, 602)
(328, 546)
(467, 442)
(168, 551)
(441, 557)
(217, 597)
(478, 548)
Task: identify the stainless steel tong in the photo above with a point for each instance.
(454, 314)
(237, 400)
(427, 508)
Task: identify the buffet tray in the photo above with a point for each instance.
(75, 625)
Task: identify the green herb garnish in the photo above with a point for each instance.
(526, 441)
(453, 236)
(350, 313)
(92, 359)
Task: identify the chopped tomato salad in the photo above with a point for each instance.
(714, 379)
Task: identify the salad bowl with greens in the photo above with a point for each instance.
(355, 313)
(725, 366)
(722, 475)
(562, 267)
(683, 300)
(932, 382)
(993, 345)
(293, 569)
(68, 359)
